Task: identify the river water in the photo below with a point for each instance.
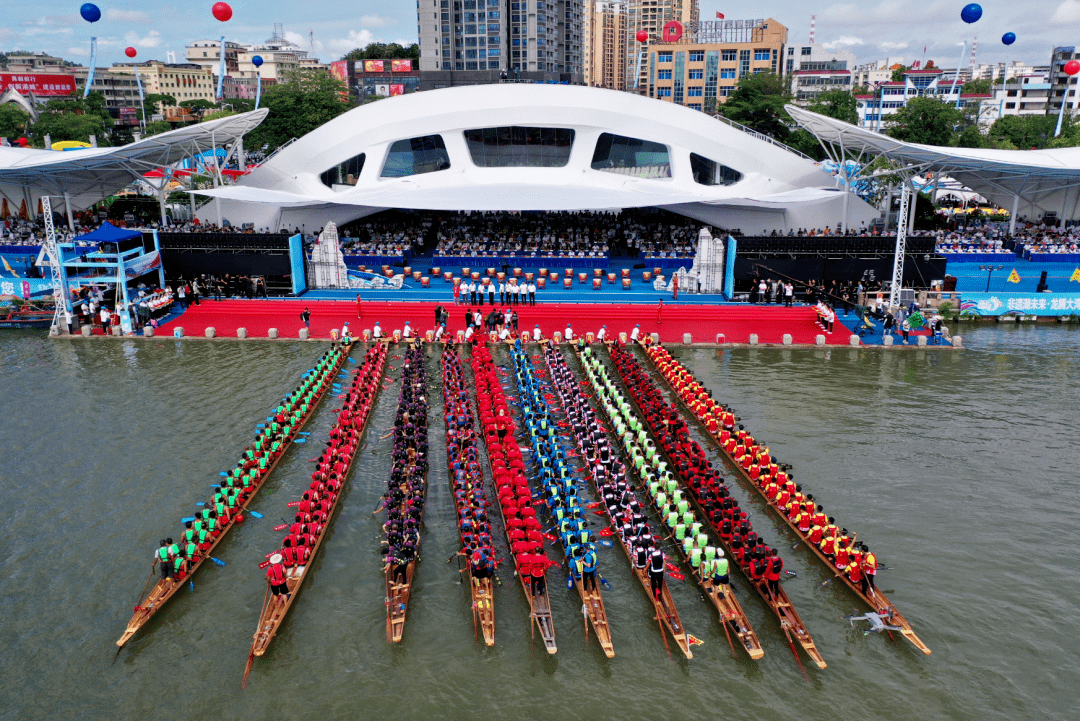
(958, 468)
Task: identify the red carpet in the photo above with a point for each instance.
(703, 322)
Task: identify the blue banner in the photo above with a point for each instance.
(1021, 303)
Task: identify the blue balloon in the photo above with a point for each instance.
(1008, 38)
(971, 13)
(257, 61)
(90, 12)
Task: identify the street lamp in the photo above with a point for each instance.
(989, 272)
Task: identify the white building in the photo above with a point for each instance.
(874, 108)
(528, 147)
(813, 70)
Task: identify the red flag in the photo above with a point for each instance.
(719, 16)
(606, 532)
(677, 576)
(282, 527)
(264, 564)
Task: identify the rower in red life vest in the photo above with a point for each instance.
(776, 567)
(869, 568)
(842, 556)
(854, 572)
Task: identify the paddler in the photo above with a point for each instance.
(275, 576)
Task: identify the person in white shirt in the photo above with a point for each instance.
(440, 331)
(569, 335)
(635, 333)
(376, 333)
(468, 334)
(472, 292)
(532, 293)
(502, 292)
(407, 333)
(601, 334)
(478, 318)
(504, 334)
(537, 335)
(346, 334)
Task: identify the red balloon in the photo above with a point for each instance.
(1072, 67)
(222, 11)
(130, 52)
(642, 36)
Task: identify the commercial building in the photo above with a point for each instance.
(207, 54)
(874, 108)
(606, 25)
(370, 79)
(813, 70)
(652, 16)
(183, 81)
(698, 66)
(1060, 83)
(469, 42)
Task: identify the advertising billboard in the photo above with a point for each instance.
(401, 66)
(339, 70)
(42, 85)
(373, 66)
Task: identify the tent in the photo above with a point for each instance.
(109, 233)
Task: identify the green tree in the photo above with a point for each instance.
(758, 103)
(971, 138)
(806, 144)
(925, 120)
(197, 106)
(898, 73)
(156, 127)
(839, 104)
(979, 87)
(1026, 131)
(157, 102)
(73, 119)
(304, 101)
(12, 121)
(385, 51)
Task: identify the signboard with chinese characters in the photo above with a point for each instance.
(373, 66)
(401, 66)
(339, 69)
(43, 84)
(1021, 303)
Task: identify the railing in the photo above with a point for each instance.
(278, 150)
(761, 136)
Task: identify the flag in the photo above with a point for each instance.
(1075, 276)
(1014, 277)
(692, 640)
(719, 16)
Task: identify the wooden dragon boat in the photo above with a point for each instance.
(666, 613)
(539, 604)
(592, 600)
(275, 608)
(876, 600)
(727, 605)
(779, 604)
(165, 589)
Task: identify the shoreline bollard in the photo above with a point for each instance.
(819, 339)
(957, 341)
(87, 331)
(753, 339)
(148, 331)
(854, 340)
(304, 333)
(241, 332)
(178, 331)
(888, 341)
(272, 334)
(687, 339)
(787, 340)
(210, 331)
(721, 339)
(920, 341)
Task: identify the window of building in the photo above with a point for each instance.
(516, 146)
(709, 172)
(663, 92)
(696, 74)
(728, 73)
(694, 92)
(663, 75)
(345, 173)
(697, 56)
(415, 156)
(631, 156)
(762, 54)
(663, 57)
(806, 51)
(725, 91)
(1010, 106)
(728, 56)
(744, 63)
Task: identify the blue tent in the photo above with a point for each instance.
(109, 233)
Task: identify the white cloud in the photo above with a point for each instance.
(127, 16)
(844, 41)
(355, 39)
(7, 35)
(1067, 12)
(76, 51)
(893, 46)
(152, 39)
(375, 21)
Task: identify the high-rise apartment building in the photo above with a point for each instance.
(469, 42)
(605, 44)
(651, 16)
(699, 67)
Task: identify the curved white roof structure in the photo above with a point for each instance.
(528, 147)
(92, 174)
(1029, 182)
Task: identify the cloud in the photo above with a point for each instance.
(355, 39)
(152, 39)
(844, 41)
(127, 16)
(1067, 12)
(375, 21)
(893, 46)
(7, 35)
(76, 51)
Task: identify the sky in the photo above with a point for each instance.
(872, 29)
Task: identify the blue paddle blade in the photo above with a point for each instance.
(260, 425)
(256, 514)
(189, 518)
(569, 582)
(269, 419)
(200, 503)
(300, 440)
(218, 561)
(304, 433)
(606, 542)
(223, 473)
(605, 583)
(351, 360)
(192, 583)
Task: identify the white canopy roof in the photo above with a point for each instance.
(1035, 180)
(92, 174)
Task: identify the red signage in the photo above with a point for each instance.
(401, 66)
(373, 66)
(396, 89)
(339, 69)
(45, 85)
(672, 31)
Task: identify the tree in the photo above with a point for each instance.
(978, 87)
(304, 100)
(73, 119)
(156, 127)
(157, 102)
(806, 144)
(385, 51)
(12, 120)
(758, 103)
(971, 138)
(924, 120)
(1026, 131)
(197, 106)
(898, 73)
(839, 104)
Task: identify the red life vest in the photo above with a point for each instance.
(276, 574)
